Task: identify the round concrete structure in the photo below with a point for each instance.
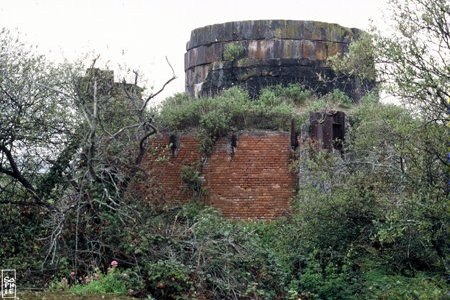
(255, 54)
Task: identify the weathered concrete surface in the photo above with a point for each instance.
(270, 52)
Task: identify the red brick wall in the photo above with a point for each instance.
(252, 181)
(164, 182)
(256, 181)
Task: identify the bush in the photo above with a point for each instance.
(218, 116)
(338, 97)
(370, 98)
(192, 250)
(232, 110)
(408, 178)
(372, 207)
(292, 93)
(113, 282)
(329, 280)
(358, 61)
(380, 285)
(233, 51)
(191, 176)
(22, 242)
(106, 284)
(169, 279)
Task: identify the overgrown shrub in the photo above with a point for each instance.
(233, 109)
(339, 98)
(192, 250)
(330, 280)
(292, 93)
(191, 176)
(380, 285)
(169, 279)
(112, 283)
(373, 208)
(233, 51)
(22, 227)
(216, 117)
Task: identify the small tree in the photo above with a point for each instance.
(38, 120)
(70, 145)
(414, 61)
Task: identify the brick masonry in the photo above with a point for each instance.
(163, 183)
(250, 181)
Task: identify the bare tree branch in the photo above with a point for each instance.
(144, 106)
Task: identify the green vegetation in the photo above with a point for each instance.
(114, 282)
(234, 110)
(359, 61)
(191, 176)
(105, 284)
(371, 223)
(218, 116)
(366, 225)
(233, 51)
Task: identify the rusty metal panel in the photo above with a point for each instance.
(328, 128)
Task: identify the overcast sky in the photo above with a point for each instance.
(140, 33)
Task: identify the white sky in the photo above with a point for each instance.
(140, 33)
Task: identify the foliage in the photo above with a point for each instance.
(191, 176)
(292, 93)
(216, 117)
(192, 250)
(233, 51)
(21, 249)
(371, 97)
(37, 120)
(114, 282)
(70, 144)
(382, 204)
(37, 125)
(405, 153)
(169, 278)
(413, 61)
(111, 283)
(334, 208)
(338, 97)
(368, 223)
(359, 60)
(233, 110)
(422, 286)
(395, 129)
(330, 281)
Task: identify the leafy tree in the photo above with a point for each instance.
(37, 120)
(411, 59)
(70, 145)
(383, 205)
(359, 61)
(414, 61)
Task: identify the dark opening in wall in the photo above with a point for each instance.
(338, 136)
(174, 144)
(294, 136)
(233, 144)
